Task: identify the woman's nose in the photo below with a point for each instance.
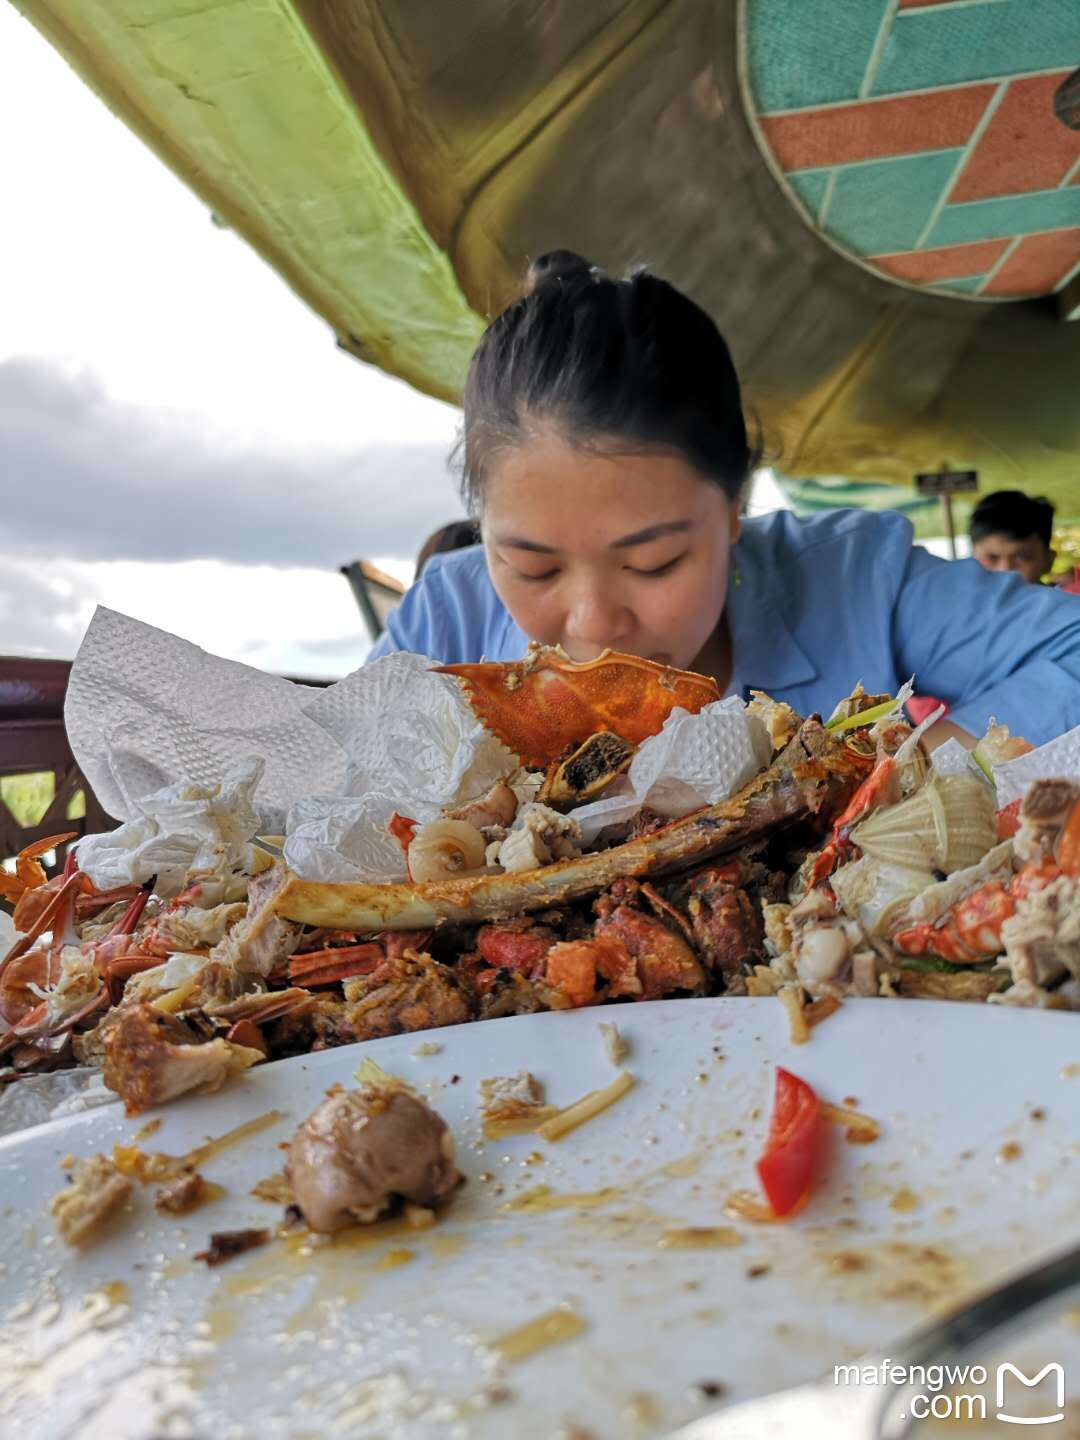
(595, 616)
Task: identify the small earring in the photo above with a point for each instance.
(738, 577)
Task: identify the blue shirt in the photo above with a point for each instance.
(815, 605)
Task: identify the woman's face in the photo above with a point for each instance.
(624, 551)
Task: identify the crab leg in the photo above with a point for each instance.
(54, 911)
(812, 773)
(29, 874)
(326, 967)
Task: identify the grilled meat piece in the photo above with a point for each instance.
(516, 945)
(413, 992)
(662, 960)
(262, 940)
(151, 1057)
(727, 925)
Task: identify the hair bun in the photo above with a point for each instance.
(557, 265)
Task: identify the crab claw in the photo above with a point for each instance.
(545, 703)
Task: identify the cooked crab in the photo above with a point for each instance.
(543, 704)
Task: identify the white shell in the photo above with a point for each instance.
(445, 848)
(946, 825)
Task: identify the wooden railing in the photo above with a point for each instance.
(36, 759)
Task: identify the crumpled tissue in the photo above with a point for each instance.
(1058, 759)
(413, 745)
(178, 828)
(952, 758)
(694, 760)
(155, 723)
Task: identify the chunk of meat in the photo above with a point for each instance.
(663, 961)
(510, 993)
(262, 940)
(97, 1189)
(362, 1149)
(413, 992)
(151, 1057)
(516, 945)
(726, 923)
(1042, 940)
(181, 1196)
(227, 1244)
(190, 927)
(321, 1026)
(571, 967)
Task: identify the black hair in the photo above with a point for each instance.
(1013, 514)
(621, 363)
(455, 536)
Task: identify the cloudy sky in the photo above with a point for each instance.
(164, 398)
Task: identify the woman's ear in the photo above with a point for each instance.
(734, 521)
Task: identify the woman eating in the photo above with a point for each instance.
(604, 455)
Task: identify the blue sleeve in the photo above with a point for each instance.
(417, 624)
(448, 614)
(991, 645)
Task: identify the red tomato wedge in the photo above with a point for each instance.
(795, 1149)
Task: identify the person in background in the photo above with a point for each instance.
(455, 536)
(605, 452)
(1011, 531)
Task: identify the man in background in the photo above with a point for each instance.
(1011, 531)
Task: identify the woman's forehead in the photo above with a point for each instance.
(550, 487)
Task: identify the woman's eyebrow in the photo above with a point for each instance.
(639, 537)
(515, 542)
(653, 532)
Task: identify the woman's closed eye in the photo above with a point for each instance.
(546, 575)
(658, 570)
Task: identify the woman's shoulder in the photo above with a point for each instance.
(785, 547)
(465, 570)
(783, 530)
(452, 613)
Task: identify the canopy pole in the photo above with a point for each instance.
(947, 516)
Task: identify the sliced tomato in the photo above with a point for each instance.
(794, 1151)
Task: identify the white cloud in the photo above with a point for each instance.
(119, 270)
(86, 477)
(294, 621)
(180, 438)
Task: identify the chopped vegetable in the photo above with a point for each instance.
(791, 998)
(865, 717)
(369, 1072)
(859, 1129)
(794, 1151)
(585, 1108)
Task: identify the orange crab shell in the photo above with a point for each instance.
(540, 705)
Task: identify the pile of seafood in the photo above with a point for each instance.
(850, 865)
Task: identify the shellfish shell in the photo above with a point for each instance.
(443, 849)
(947, 825)
(589, 770)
